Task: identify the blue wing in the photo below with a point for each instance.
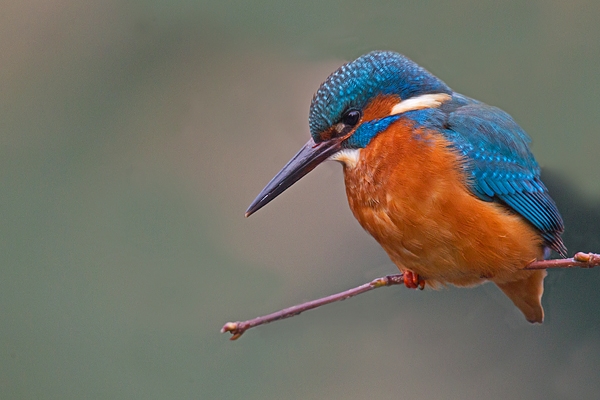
(500, 164)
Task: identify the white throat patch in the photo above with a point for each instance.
(420, 102)
(348, 157)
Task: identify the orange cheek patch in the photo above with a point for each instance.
(380, 107)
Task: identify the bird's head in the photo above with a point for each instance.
(357, 101)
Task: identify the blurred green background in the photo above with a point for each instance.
(134, 134)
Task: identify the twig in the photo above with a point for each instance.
(238, 328)
(581, 260)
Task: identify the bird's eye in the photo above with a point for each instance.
(351, 117)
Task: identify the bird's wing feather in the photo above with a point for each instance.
(501, 167)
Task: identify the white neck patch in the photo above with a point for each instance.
(348, 157)
(420, 102)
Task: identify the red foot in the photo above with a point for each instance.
(413, 281)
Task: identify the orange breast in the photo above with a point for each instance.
(409, 192)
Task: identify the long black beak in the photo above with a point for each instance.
(309, 156)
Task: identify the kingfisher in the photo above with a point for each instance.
(446, 184)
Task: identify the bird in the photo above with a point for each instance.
(446, 184)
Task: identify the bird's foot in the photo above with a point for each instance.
(413, 281)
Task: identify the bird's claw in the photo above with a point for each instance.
(413, 281)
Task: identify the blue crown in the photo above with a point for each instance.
(355, 84)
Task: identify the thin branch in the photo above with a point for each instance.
(581, 260)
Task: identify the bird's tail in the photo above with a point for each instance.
(526, 293)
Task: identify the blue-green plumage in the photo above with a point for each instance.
(501, 167)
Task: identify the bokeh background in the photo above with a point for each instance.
(134, 134)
